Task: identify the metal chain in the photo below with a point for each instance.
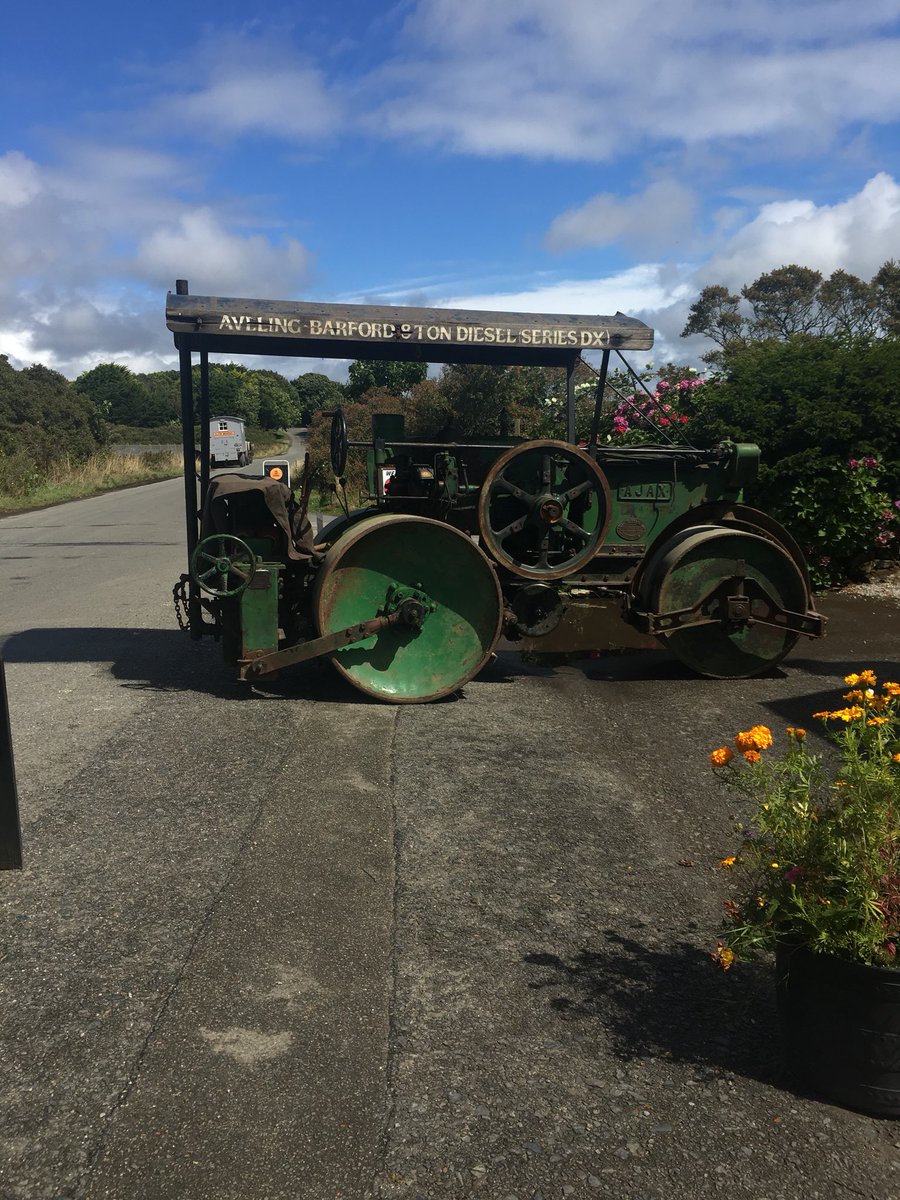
(180, 600)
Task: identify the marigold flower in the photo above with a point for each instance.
(895, 758)
(868, 676)
(723, 956)
(729, 862)
(877, 721)
(822, 716)
(851, 680)
(721, 757)
(854, 694)
(757, 738)
(752, 756)
(879, 703)
(799, 734)
(890, 688)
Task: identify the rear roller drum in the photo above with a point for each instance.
(714, 567)
(390, 560)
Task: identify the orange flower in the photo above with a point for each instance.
(721, 757)
(722, 956)
(890, 688)
(822, 716)
(895, 758)
(757, 738)
(729, 862)
(877, 721)
(752, 756)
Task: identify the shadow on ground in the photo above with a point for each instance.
(669, 1004)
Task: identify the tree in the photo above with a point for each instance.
(164, 396)
(398, 378)
(115, 392)
(316, 391)
(784, 301)
(43, 417)
(886, 284)
(716, 314)
(278, 407)
(847, 306)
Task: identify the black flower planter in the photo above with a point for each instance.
(841, 1023)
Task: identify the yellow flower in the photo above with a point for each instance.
(729, 862)
(721, 757)
(822, 716)
(890, 688)
(895, 758)
(868, 677)
(879, 703)
(877, 721)
(723, 956)
(774, 866)
(847, 714)
(854, 694)
(752, 756)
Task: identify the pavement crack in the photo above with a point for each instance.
(159, 1017)
(392, 1052)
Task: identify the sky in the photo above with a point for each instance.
(547, 156)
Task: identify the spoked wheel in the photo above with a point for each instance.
(390, 560)
(544, 510)
(739, 579)
(338, 442)
(223, 565)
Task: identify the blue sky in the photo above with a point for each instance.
(577, 156)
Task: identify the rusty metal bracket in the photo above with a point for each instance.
(736, 601)
(410, 613)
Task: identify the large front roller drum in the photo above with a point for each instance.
(685, 570)
(404, 664)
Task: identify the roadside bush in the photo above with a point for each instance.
(823, 412)
(19, 476)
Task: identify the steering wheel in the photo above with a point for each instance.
(544, 509)
(219, 557)
(338, 443)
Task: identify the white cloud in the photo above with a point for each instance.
(199, 248)
(641, 289)
(585, 79)
(857, 234)
(90, 246)
(652, 220)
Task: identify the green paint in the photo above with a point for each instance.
(410, 554)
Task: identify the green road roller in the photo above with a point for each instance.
(557, 547)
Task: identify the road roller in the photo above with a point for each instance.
(557, 547)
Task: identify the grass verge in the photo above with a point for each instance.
(100, 473)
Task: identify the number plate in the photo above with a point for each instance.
(646, 491)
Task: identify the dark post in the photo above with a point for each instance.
(195, 614)
(598, 402)
(10, 830)
(570, 401)
(204, 426)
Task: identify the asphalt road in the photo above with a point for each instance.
(285, 942)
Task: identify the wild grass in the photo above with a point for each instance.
(23, 486)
